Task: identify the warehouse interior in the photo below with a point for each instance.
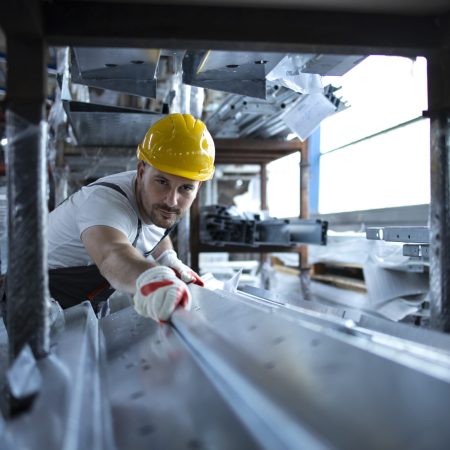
(323, 237)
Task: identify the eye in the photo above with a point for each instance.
(188, 187)
(161, 181)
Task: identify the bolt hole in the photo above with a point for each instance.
(283, 105)
(278, 340)
(232, 66)
(111, 65)
(136, 395)
(261, 61)
(194, 444)
(137, 61)
(146, 430)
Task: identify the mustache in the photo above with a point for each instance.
(168, 209)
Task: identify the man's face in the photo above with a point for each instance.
(163, 198)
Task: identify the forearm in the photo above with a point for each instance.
(122, 266)
(165, 244)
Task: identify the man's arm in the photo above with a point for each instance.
(118, 261)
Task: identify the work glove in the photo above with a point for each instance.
(170, 259)
(159, 292)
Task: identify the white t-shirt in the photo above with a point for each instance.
(97, 205)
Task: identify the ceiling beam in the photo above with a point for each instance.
(238, 28)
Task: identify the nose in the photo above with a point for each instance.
(172, 198)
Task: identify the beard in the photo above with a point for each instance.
(163, 216)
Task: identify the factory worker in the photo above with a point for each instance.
(99, 239)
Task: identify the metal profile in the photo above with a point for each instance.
(416, 235)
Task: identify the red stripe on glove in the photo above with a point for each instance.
(183, 297)
(198, 281)
(152, 287)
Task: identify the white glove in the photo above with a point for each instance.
(159, 292)
(170, 259)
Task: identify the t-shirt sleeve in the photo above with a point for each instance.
(104, 206)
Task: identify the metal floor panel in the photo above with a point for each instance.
(347, 390)
(160, 399)
(71, 410)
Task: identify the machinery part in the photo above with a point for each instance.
(219, 225)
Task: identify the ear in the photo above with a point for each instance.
(140, 169)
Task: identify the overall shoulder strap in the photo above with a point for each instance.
(120, 191)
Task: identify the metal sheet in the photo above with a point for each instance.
(120, 69)
(159, 396)
(71, 410)
(96, 125)
(331, 65)
(334, 382)
(236, 72)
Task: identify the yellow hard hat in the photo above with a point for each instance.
(180, 145)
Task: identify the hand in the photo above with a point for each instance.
(159, 292)
(170, 259)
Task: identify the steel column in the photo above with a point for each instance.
(439, 105)
(26, 169)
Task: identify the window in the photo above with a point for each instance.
(375, 154)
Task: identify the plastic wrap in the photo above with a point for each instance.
(288, 73)
(24, 378)
(27, 287)
(396, 285)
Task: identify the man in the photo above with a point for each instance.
(100, 237)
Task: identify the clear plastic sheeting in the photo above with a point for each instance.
(397, 286)
(306, 114)
(288, 73)
(3, 230)
(344, 247)
(389, 255)
(24, 378)
(27, 245)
